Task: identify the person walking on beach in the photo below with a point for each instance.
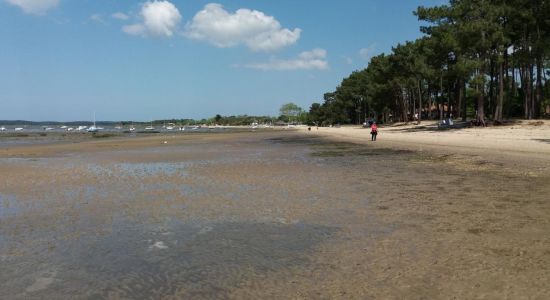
(373, 131)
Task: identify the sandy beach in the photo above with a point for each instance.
(527, 139)
(292, 214)
(162, 149)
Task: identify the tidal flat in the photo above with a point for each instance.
(266, 215)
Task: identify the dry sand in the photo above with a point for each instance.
(522, 139)
(279, 214)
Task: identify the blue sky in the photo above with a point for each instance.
(142, 60)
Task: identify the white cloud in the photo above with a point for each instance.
(366, 53)
(135, 29)
(159, 19)
(252, 28)
(36, 7)
(120, 16)
(308, 60)
(97, 18)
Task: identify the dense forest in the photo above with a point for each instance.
(477, 59)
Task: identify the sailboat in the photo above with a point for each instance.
(150, 127)
(93, 128)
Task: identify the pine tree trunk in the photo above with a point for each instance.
(526, 87)
(481, 108)
(539, 90)
(500, 99)
(512, 94)
(441, 109)
(464, 102)
(480, 115)
(408, 104)
(450, 103)
(491, 96)
(546, 109)
(514, 83)
(458, 92)
(531, 94)
(419, 102)
(413, 106)
(431, 105)
(404, 108)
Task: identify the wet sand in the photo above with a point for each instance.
(269, 214)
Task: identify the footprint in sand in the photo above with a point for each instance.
(42, 282)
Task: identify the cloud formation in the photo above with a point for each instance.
(252, 28)
(366, 53)
(158, 19)
(98, 18)
(348, 60)
(36, 7)
(120, 16)
(308, 60)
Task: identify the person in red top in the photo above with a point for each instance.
(373, 131)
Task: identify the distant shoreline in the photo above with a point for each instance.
(33, 144)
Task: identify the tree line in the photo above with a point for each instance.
(289, 113)
(477, 59)
(239, 120)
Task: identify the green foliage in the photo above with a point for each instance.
(454, 70)
(242, 120)
(290, 111)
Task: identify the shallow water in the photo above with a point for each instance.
(140, 169)
(192, 221)
(153, 260)
(8, 205)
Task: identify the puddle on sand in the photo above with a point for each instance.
(140, 261)
(139, 169)
(9, 205)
